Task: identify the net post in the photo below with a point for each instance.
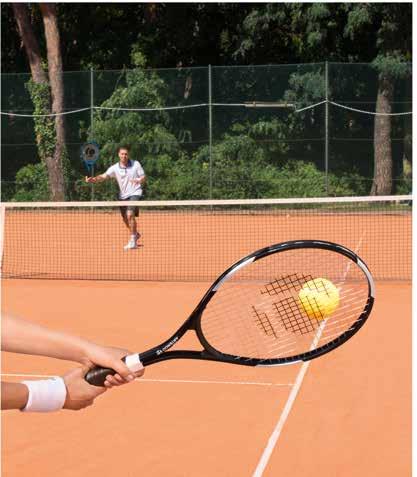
(2, 230)
(210, 106)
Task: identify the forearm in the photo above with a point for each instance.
(20, 336)
(100, 178)
(96, 179)
(14, 395)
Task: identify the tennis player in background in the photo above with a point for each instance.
(131, 179)
(70, 391)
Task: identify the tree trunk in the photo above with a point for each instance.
(408, 139)
(382, 182)
(54, 167)
(29, 42)
(57, 91)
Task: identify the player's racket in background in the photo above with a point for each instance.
(290, 302)
(90, 154)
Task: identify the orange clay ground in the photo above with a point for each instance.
(350, 418)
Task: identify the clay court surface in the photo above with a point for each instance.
(351, 416)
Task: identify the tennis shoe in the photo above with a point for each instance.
(131, 244)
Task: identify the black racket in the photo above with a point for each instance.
(290, 302)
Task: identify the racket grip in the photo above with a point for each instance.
(97, 375)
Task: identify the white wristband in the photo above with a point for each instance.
(46, 395)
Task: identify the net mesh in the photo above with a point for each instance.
(197, 240)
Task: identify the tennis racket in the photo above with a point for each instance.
(286, 303)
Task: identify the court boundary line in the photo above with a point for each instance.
(273, 438)
(175, 381)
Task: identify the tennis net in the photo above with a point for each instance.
(196, 240)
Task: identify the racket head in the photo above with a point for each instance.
(255, 313)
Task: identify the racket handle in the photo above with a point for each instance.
(97, 375)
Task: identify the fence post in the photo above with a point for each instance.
(326, 127)
(210, 134)
(92, 121)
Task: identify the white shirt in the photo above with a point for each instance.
(124, 176)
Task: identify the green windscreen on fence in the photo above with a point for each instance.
(216, 132)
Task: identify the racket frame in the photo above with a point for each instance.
(193, 323)
(162, 353)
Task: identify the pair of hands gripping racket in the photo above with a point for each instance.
(286, 303)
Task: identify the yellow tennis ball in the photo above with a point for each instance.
(319, 298)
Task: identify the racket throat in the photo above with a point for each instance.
(150, 357)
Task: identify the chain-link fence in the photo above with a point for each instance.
(217, 132)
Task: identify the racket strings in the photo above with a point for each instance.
(286, 283)
(294, 319)
(263, 322)
(263, 318)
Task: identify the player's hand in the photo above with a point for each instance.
(90, 180)
(80, 394)
(109, 357)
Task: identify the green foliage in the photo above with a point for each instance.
(358, 18)
(403, 185)
(138, 57)
(242, 169)
(32, 183)
(44, 126)
(256, 153)
(392, 66)
(344, 184)
(186, 178)
(237, 168)
(306, 88)
(112, 128)
(150, 134)
(32, 180)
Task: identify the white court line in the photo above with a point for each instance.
(287, 408)
(272, 441)
(185, 381)
(280, 424)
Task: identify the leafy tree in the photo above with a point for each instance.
(281, 144)
(46, 96)
(149, 133)
(388, 27)
(31, 183)
(379, 33)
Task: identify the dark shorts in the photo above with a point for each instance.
(135, 210)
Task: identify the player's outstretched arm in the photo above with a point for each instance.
(14, 395)
(21, 336)
(95, 179)
(69, 392)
